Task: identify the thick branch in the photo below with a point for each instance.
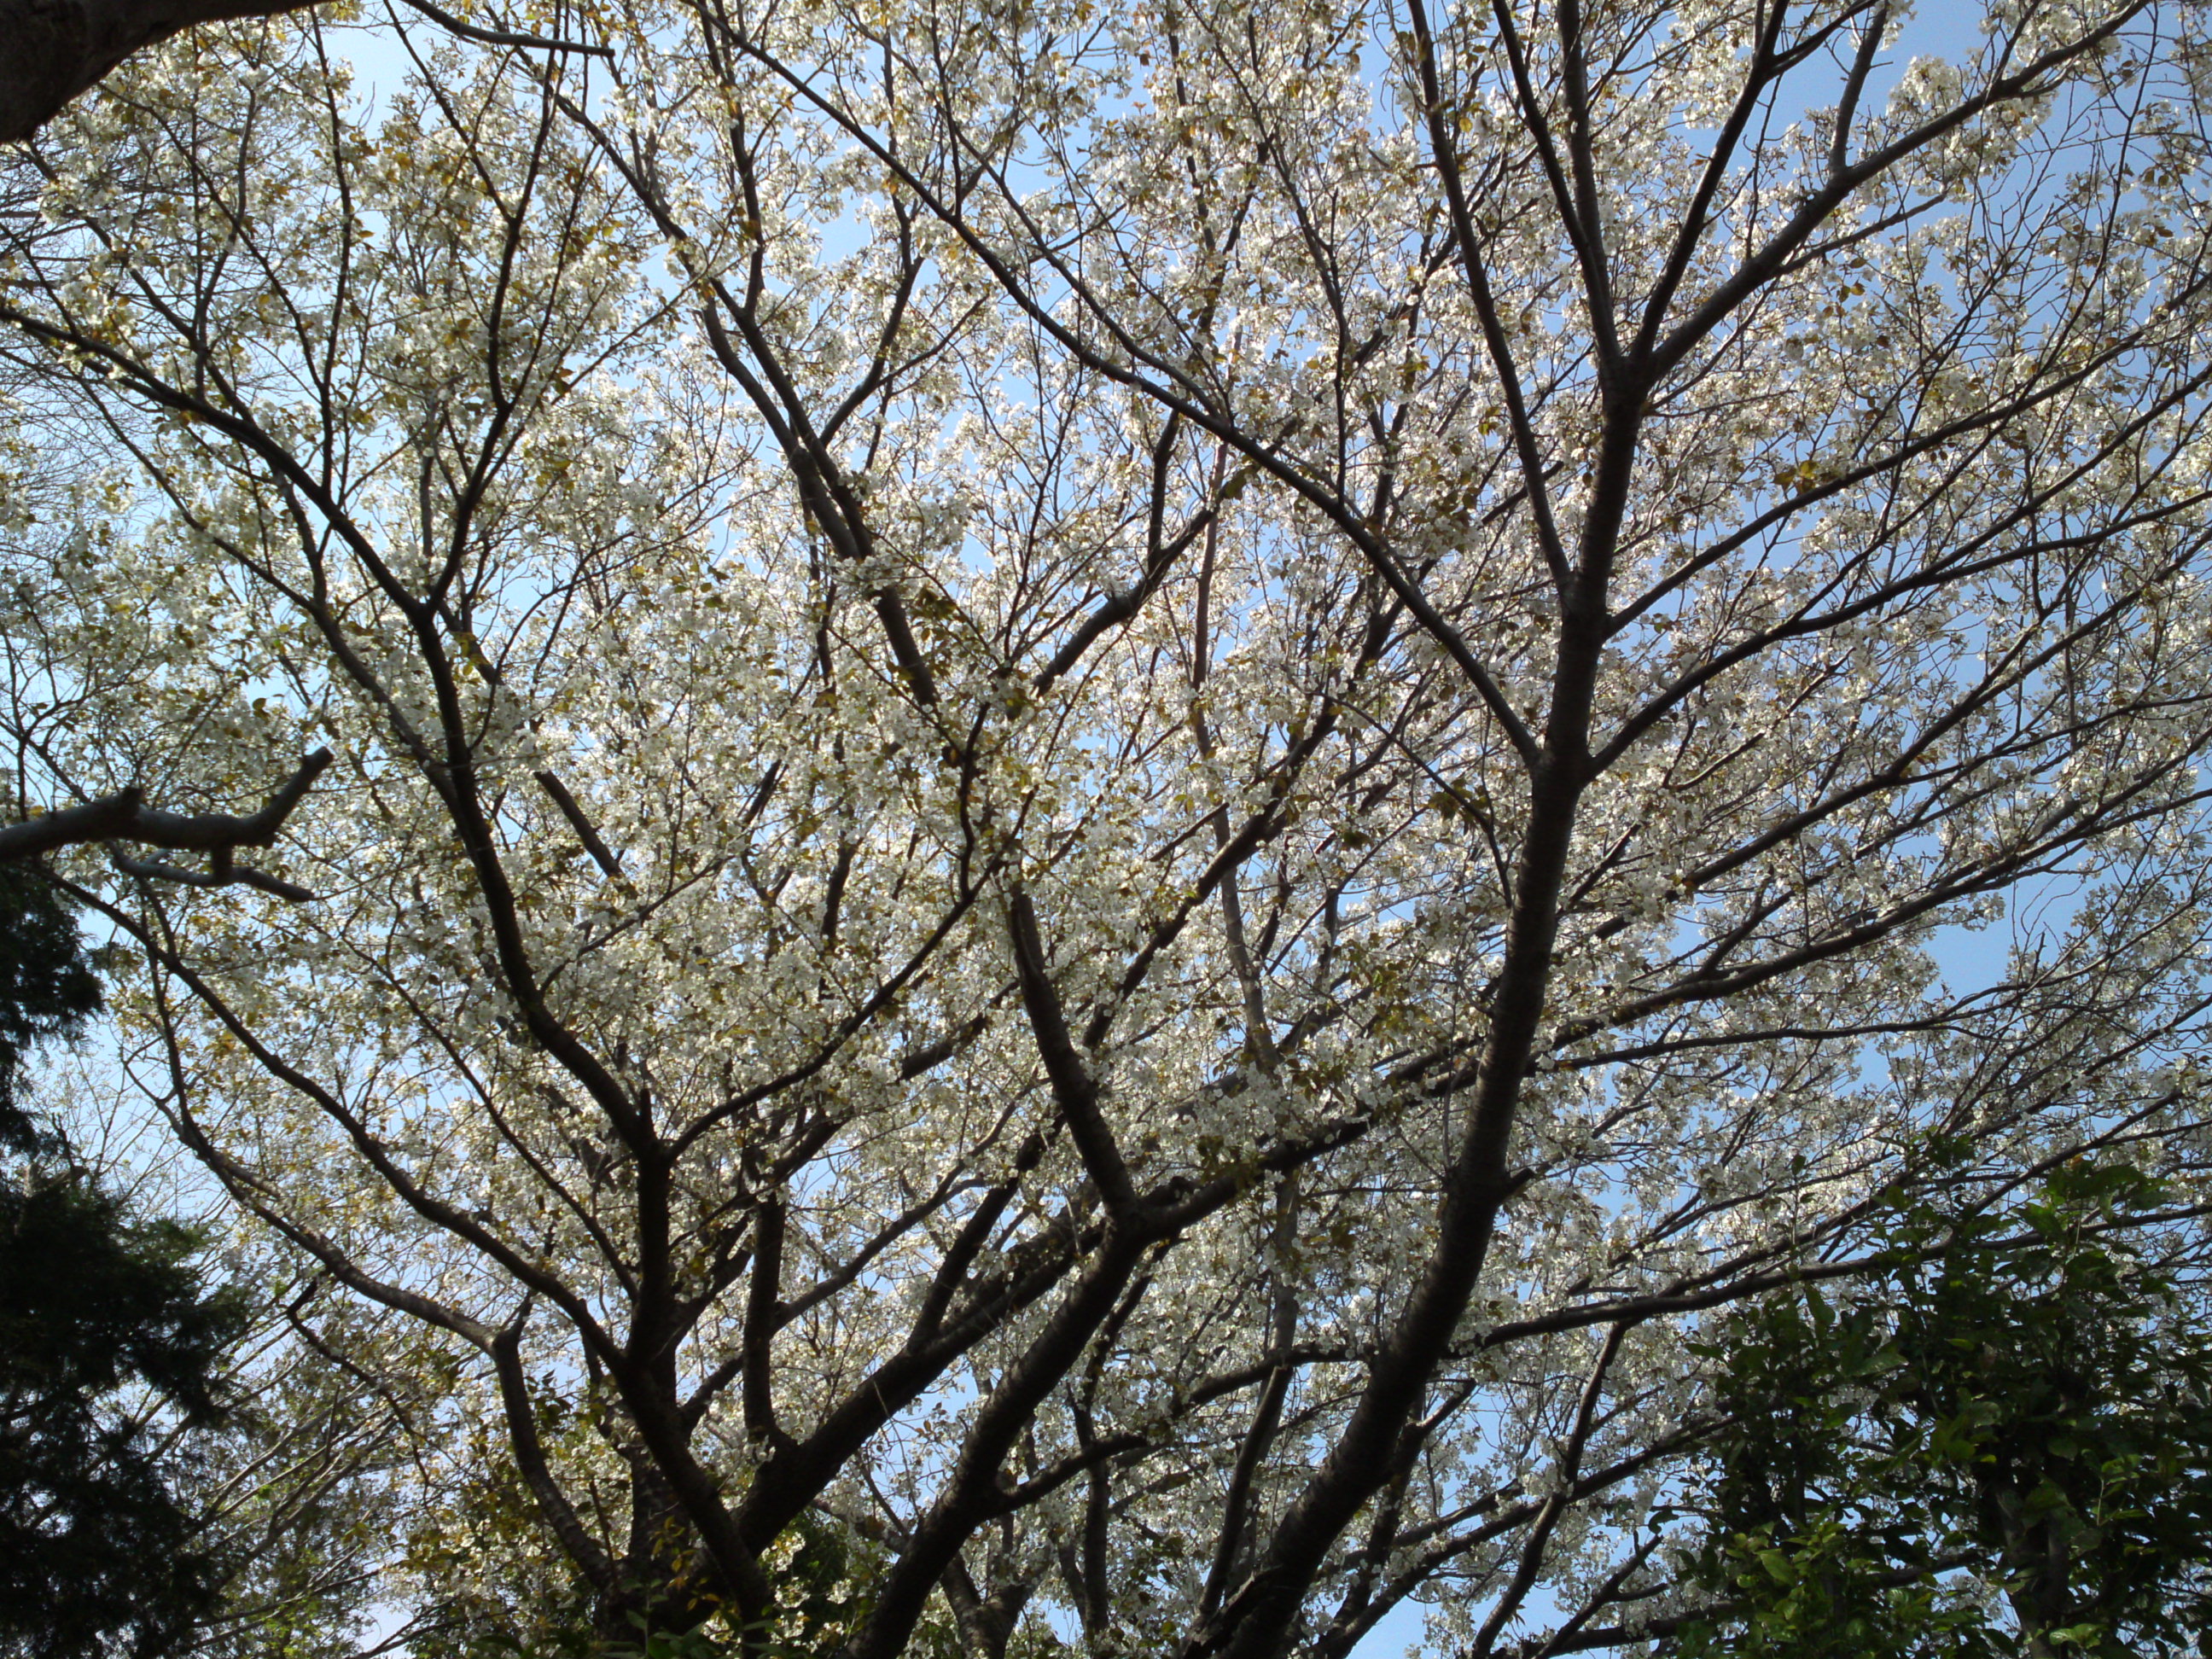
(124, 816)
(57, 49)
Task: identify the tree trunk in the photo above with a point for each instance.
(53, 50)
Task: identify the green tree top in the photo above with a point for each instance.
(108, 1339)
(2000, 1444)
(48, 985)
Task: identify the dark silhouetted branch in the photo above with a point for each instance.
(57, 49)
(124, 816)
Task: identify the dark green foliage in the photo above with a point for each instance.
(108, 1344)
(105, 1339)
(2023, 1397)
(48, 987)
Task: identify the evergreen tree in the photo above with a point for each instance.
(48, 987)
(109, 1341)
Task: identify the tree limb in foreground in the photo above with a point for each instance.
(57, 49)
(124, 816)
(51, 51)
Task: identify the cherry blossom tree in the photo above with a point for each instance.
(1120, 801)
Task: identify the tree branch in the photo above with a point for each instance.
(124, 816)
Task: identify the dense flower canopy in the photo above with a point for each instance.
(1119, 796)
